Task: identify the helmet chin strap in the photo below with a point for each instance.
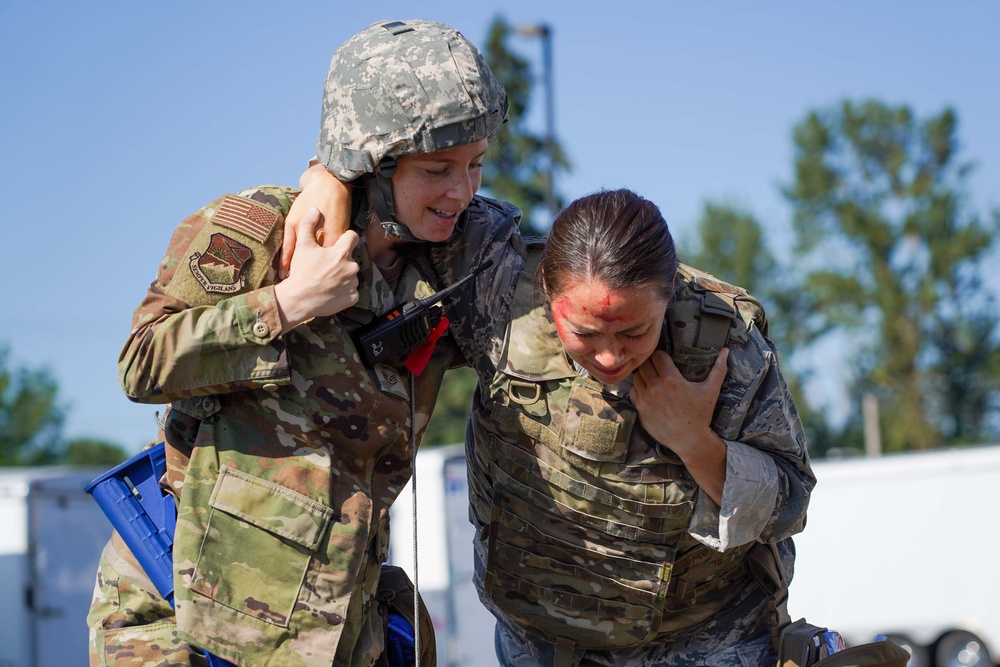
(382, 201)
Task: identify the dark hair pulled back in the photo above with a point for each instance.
(614, 236)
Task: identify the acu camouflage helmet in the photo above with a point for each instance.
(402, 87)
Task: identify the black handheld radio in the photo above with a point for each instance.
(401, 329)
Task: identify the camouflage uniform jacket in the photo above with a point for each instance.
(594, 535)
(285, 452)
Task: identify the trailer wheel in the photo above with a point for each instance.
(961, 649)
(920, 656)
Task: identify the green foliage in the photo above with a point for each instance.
(31, 421)
(516, 166)
(447, 425)
(87, 451)
(732, 246)
(30, 417)
(896, 259)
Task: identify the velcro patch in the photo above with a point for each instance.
(220, 267)
(390, 381)
(245, 216)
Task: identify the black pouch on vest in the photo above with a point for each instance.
(802, 645)
(395, 596)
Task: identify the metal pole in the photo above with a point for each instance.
(550, 121)
(869, 411)
(544, 31)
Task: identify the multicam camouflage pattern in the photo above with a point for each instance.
(285, 453)
(232, 340)
(130, 626)
(585, 522)
(403, 87)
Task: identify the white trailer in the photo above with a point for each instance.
(51, 536)
(900, 545)
(903, 544)
(462, 626)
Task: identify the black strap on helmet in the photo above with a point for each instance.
(382, 201)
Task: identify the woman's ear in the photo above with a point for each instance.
(541, 296)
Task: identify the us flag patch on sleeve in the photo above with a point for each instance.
(245, 216)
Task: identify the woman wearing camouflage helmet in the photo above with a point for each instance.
(284, 451)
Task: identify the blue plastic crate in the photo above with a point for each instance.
(142, 513)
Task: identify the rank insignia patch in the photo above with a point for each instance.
(220, 267)
(244, 216)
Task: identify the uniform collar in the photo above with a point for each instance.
(534, 351)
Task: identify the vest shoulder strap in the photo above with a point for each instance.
(532, 351)
(704, 315)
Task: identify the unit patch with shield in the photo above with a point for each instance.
(220, 267)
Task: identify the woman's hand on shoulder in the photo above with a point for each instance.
(324, 192)
(321, 280)
(678, 415)
(675, 412)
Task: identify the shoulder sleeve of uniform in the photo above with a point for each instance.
(756, 410)
(209, 322)
(227, 248)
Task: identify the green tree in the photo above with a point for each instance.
(31, 422)
(447, 425)
(89, 451)
(516, 168)
(31, 418)
(731, 244)
(896, 259)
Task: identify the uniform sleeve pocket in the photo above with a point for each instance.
(258, 544)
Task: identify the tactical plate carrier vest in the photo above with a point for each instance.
(584, 516)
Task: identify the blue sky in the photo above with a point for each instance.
(118, 119)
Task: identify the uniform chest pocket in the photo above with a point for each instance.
(597, 426)
(257, 546)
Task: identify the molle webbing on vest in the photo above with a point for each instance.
(577, 559)
(531, 470)
(699, 574)
(699, 329)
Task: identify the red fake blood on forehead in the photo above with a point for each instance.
(564, 307)
(559, 315)
(607, 315)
